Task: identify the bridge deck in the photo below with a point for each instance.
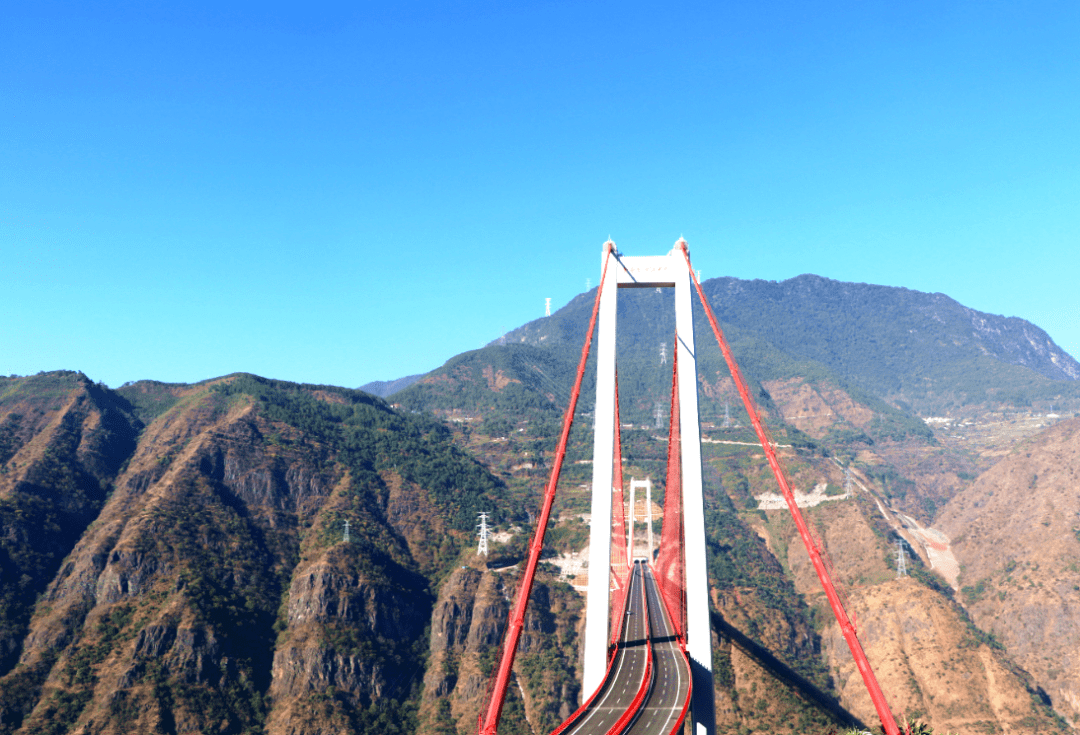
(668, 681)
(664, 707)
(619, 690)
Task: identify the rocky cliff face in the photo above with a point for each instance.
(173, 561)
(930, 659)
(1016, 532)
(205, 585)
(467, 627)
(469, 619)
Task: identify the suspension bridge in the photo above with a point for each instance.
(648, 642)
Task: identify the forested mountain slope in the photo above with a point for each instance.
(173, 560)
(904, 346)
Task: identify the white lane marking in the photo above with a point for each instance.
(598, 706)
(674, 709)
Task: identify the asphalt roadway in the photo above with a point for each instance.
(671, 674)
(627, 670)
(670, 681)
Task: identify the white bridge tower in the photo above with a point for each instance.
(646, 485)
(658, 271)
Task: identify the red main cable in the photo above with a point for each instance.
(490, 721)
(848, 630)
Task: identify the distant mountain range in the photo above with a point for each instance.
(384, 388)
(916, 351)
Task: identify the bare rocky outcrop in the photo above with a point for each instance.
(212, 592)
(1016, 534)
(930, 660)
(336, 620)
(325, 592)
(467, 624)
(451, 623)
(305, 666)
(815, 409)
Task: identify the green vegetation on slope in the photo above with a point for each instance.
(371, 437)
(57, 487)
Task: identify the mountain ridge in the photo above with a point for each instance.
(204, 583)
(385, 388)
(893, 326)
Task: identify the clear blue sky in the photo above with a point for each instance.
(339, 193)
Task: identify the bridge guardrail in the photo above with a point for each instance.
(576, 715)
